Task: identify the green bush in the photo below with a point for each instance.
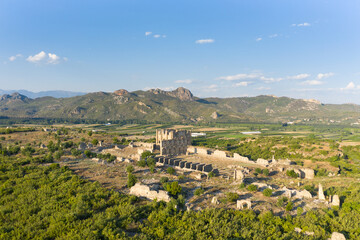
(289, 206)
(252, 188)
(173, 188)
(281, 201)
(242, 186)
(199, 191)
(164, 180)
(141, 163)
(75, 152)
(266, 172)
(147, 154)
(299, 211)
(131, 180)
(89, 154)
(171, 170)
(151, 162)
(258, 170)
(232, 197)
(292, 174)
(129, 168)
(95, 142)
(267, 192)
(211, 174)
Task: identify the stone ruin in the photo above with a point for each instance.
(337, 236)
(241, 204)
(215, 201)
(173, 142)
(335, 200)
(184, 165)
(141, 190)
(321, 192)
(238, 175)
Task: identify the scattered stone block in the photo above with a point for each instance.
(177, 163)
(193, 166)
(141, 190)
(208, 168)
(241, 204)
(321, 192)
(309, 173)
(238, 175)
(215, 201)
(182, 164)
(200, 167)
(337, 236)
(335, 201)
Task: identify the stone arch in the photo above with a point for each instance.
(243, 204)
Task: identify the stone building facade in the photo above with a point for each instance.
(173, 142)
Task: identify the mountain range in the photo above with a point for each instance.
(180, 105)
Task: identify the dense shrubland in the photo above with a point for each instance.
(49, 201)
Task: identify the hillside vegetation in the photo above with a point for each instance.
(176, 106)
(50, 202)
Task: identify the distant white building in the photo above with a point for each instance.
(198, 134)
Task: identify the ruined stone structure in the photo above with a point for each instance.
(238, 175)
(241, 204)
(141, 190)
(337, 236)
(335, 201)
(173, 142)
(321, 192)
(215, 201)
(184, 165)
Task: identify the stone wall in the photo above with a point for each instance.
(184, 165)
(141, 190)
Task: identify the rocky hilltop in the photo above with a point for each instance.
(181, 93)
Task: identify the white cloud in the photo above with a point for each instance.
(325, 75)
(148, 33)
(258, 39)
(270, 79)
(243, 76)
(351, 86)
(42, 57)
(157, 35)
(263, 88)
(312, 82)
(161, 88)
(202, 41)
(242, 84)
(37, 57)
(299, 76)
(273, 35)
(53, 58)
(186, 81)
(240, 76)
(164, 36)
(305, 24)
(13, 58)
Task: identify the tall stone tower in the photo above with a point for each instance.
(173, 142)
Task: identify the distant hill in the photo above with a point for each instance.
(180, 105)
(55, 93)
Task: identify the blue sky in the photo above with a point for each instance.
(224, 48)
